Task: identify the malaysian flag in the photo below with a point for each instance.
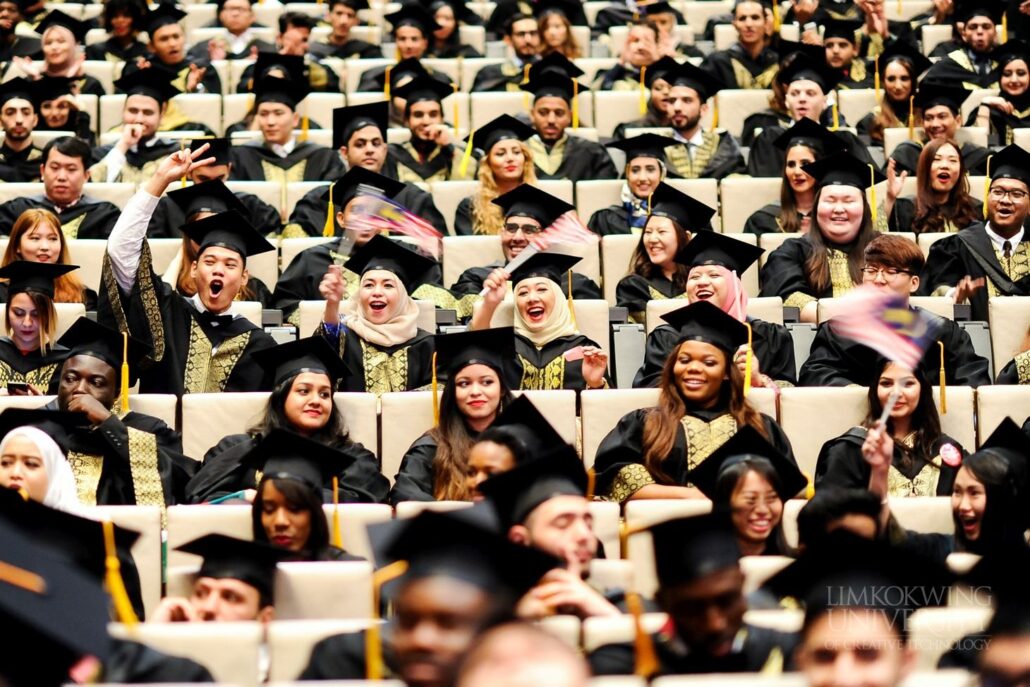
(383, 215)
(885, 323)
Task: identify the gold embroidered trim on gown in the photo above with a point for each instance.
(444, 299)
(146, 478)
(704, 437)
(798, 299)
(547, 378)
(1016, 267)
(629, 480)
(70, 229)
(148, 296)
(689, 167)
(840, 275)
(39, 378)
(1023, 367)
(384, 372)
(207, 373)
(745, 79)
(923, 484)
(547, 161)
(277, 174)
(87, 468)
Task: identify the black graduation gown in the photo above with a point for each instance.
(168, 217)
(21, 166)
(1016, 371)
(784, 273)
(618, 14)
(87, 219)
(716, 158)
(211, 82)
(134, 663)
(906, 157)
(321, 79)
(342, 657)
(111, 51)
(452, 51)
(840, 464)
(140, 164)
(309, 212)
(766, 160)
(463, 222)
(498, 77)
(224, 472)
(836, 361)
(414, 480)
(971, 253)
(621, 77)
(1003, 126)
(254, 161)
(546, 368)
(411, 368)
(611, 220)
(181, 341)
(573, 158)
(373, 80)
(35, 368)
(765, 220)
(624, 446)
(440, 165)
(471, 282)
(755, 123)
(772, 346)
(89, 85)
(735, 68)
(761, 646)
(957, 68)
(353, 49)
(634, 291)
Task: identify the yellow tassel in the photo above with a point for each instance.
(899, 7)
(337, 533)
(809, 486)
(987, 183)
(591, 484)
(305, 125)
(715, 111)
(386, 82)
(466, 157)
(525, 80)
(436, 400)
(115, 584)
(646, 661)
(374, 668)
(457, 113)
(911, 118)
(329, 229)
(22, 578)
(836, 114)
(1004, 37)
(876, 77)
(944, 383)
(572, 311)
(182, 148)
(125, 373)
(777, 21)
(623, 540)
(649, 197)
(643, 91)
(872, 192)
(575, 104)
(747, 361)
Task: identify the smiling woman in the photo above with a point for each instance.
(37, 237)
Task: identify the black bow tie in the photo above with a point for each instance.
(209, 318)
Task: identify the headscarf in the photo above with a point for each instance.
(401, 327)
(558, 323)
(735, 302)
(61, 492)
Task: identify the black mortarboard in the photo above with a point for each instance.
(841, 28)
(529, 201)
(347, 120)
(807, 133)
(645, 145)
(553, 266)
(310, 354)
(460, 9)
(164, 14)
(413, 15)
(517, 493)
(249, 562)
(653, 8)
(499, 129)
(557, 63)
(904, 50)
(934, 93)
(422, 88)
(358, 179)
(804, 68)
(968, 9)
(356, 5)
(409, 67)
(713, 248)
(554, 84)
(17, 88)
(693, 77)
(152, 82)
(282, 454)
(59, 18)
(209, 196)
(659, 70)
(692, 215)
(1009, 440)
(287, 92)
(218, 148)
(702, 321)
(290, 66)
(686, 549)
(49, 88)
(1011, 50)
(446, 545)
(525, 421)
(38, 277)
(380, 253)
(542, 7)
(59, 424)
(494, 348)
(1012, 162)
(229, 230)
(844, 170)
(790, 50)
(747, 443)
(86, 337)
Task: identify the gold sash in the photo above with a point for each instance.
(547, 378)
(548, 161)
(384, 372)
(207, 373)
(704, 437)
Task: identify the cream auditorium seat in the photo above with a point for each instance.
(601, 630)
(800, 404)
(995, 403)
(770, 242)
(410, 509)
(146, 552)
(927, 514)
(289, 249)
(290, 643)
(743, 196)
(616, 256)
(1009, 319)
(928, 239)
(855, 103)
(269, 192)
(67, 313)
(567, 628)
(163, 252)
(735, 105)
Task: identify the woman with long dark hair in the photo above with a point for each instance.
(479, 368)
(304, 374)
(901, 65)
(827, 261)
(1002, 114)
(123, 20)
(701, 405)
(917, 468)
(449, 16)
(942, 202)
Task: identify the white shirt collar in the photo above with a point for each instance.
(286, 148)
(195, 298)
(694, 141)
(999, 240)
(149, 143)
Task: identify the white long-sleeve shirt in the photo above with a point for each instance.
(125, 244)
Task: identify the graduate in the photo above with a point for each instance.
(37, 237)
(639, 52)
(940, 106)
(375, 330)
(841, 41)
(450, 16)
(521, 36)
(698, 564)
(58, 108)
(281, 155)
(972, 65)
(430, 155)
(715, 262)
(167, 52)
(412, 28)
(750, 62)
(1010, 109)
(901, 65)
(646, 167)
(118, 456)
(61, 37)
(342, 16)
(198, 345)
(19, 157)
(658, 88)
(992, 259)
(650, 451)
(123, 20)
(305, 374)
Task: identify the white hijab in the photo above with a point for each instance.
(61, 492)
(400, 328)
(558, 323)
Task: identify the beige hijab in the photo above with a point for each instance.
(559, 321)
(401, 327)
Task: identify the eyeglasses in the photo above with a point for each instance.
(885, 272)
(527, 229)
(1014, 194)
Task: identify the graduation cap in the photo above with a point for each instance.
(747, 445)
(1013, 162)
(408, 68)
(458, 7)
(59, 424)
(554, 84)
(59, 18)
(422, 88)
(645, 145)
(249, 562)
(229, 230)
(845, 170)
(934, 93)
(693, 77)
(557, 63)
(282, 454)
(790, 50)
(310, 354)
(804, 68)
(413, 15)
(659, 69)
(209, 196)
(713, 248)
(289, 92)
(152, 82)
(17, 88)
(218, 148)
(692, 215)
(494, 348)
(517, 493)
(1012, 50)
(526, 422)
(841, 28)
(1009, 441)
(990, 9)
(905, 51)
(380, 253)
(553, 266)
(542, 7)
(686, 549)
(166, 13)
(653, 8)
(502, 128)
(48, 88)
(358, 179)
(86, 337)
(805, 132)
(290, 66)
(347, 120)
(526, 200)
(38, 277)
(702, 321)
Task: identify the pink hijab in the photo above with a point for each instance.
(735, 303)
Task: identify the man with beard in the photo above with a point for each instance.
(940, 105)
(342, 16)
(19, 158)
(972, 66)
(168, 50)
(522, 38)
(430, 154)
(750, 62)
(703, 154)
(413, 28)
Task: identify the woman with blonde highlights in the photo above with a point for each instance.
(37, 237)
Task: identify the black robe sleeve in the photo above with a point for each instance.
(659, 345)
(340, 657)
(414, 481)
(774, 348)
(1016, 371)
(764, 221)
(609, 221)
(727, 159)
(633, 293)
(223, 470)
(784, 272)
(623, 446)
(361, 481)
(765, 159)
(463, 224)
(836, 465)
(134, 663)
